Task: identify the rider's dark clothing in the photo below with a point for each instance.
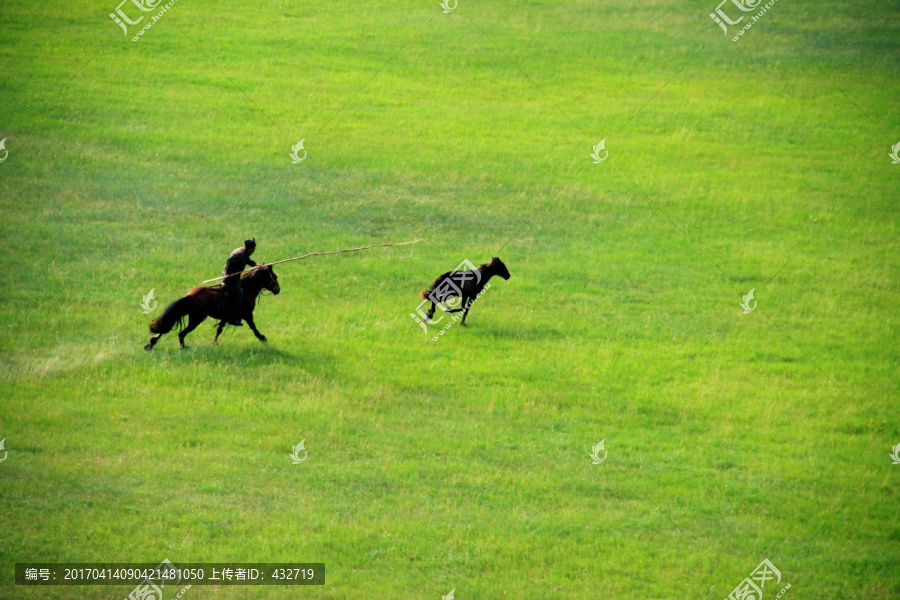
(234, 293)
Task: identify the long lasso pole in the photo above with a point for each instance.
(278, 262)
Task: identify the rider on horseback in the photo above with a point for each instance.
(234, 293)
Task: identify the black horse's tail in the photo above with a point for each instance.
(174, 314)
(435, 283)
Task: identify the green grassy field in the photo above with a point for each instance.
(463, 463)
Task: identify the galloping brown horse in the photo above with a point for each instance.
(205, 302)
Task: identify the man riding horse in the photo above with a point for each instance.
(234, 293)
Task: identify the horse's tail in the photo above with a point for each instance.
(434, 284)
(174, 314)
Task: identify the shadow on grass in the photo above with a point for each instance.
(241, 354)
(517, 332)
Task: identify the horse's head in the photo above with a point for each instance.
(271, 281)
(499, 268)
(265, 278)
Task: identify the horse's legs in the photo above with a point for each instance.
(249, 318)
(467, 302)
(153, 341)
(430, 312)
(195, 319)
(462, 304)
(219, 330)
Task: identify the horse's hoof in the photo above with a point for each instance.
(263, 338)
(148, 347)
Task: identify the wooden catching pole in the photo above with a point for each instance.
(277, 262)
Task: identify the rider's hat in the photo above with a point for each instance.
(251, 243)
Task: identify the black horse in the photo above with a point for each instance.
(465, 285)
(204, 302)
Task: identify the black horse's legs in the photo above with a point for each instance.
(467, 302)
(462, 302)
(195, 319)
(219, 330)
(431, 310)
(249, 318)
(153, 341)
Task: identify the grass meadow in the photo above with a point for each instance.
(461, 464)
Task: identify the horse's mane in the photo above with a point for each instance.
(486, 265)
(253, 273)
(249, 275)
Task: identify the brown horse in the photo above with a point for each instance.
(205, 302)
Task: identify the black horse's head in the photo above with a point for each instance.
(499, 268)
(265, 278)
